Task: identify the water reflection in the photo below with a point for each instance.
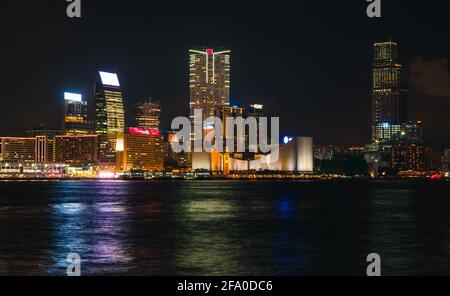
(224, 228)
(201, 247)
(91, 227)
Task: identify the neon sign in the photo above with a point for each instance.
(144, 131)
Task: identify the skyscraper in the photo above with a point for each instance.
(142, 151)
(148, 114)
(209, 80)
(75, 115)
(110, 116)
(389, 92)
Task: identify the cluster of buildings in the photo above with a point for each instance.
(397, 146)
(84, 148)
(209, 81)
(107, 147)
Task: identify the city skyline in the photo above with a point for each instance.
(310, 87)
(224, 147)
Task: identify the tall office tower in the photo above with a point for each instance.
(143, 150)
(209, 80)
(389, 92)
(75, 115)
(110, 116)
(148, 114)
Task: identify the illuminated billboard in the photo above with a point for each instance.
(143, 131)
(72, 97)
(109, 79)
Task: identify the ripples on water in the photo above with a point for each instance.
(225, 227)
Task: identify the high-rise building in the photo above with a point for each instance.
(110, 116)
(209, 86)
(209, 80)
(389, 93)
(76, 149)
(75, 115)
(143, 150)
(148, 114)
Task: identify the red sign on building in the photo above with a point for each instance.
(143, 131)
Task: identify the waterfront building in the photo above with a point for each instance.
(76, 149)
(17, 149)
(446, 160)
(295, 156)
(142, 150)
(432, 159)
(407, 157)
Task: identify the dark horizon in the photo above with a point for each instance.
(311, 66)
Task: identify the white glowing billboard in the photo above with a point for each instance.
(72, 97)
(109, 79)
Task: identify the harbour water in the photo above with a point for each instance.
(225, 227)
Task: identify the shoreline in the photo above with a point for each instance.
(317, 179)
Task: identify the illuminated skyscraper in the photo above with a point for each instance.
(389, 92)
(110, 116)
(209, 85)
(209, 80)
(148, 114)
(143, 150)
(75, 115)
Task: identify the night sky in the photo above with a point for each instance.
(309, 64)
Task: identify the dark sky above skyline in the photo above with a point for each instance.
(308, 62)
